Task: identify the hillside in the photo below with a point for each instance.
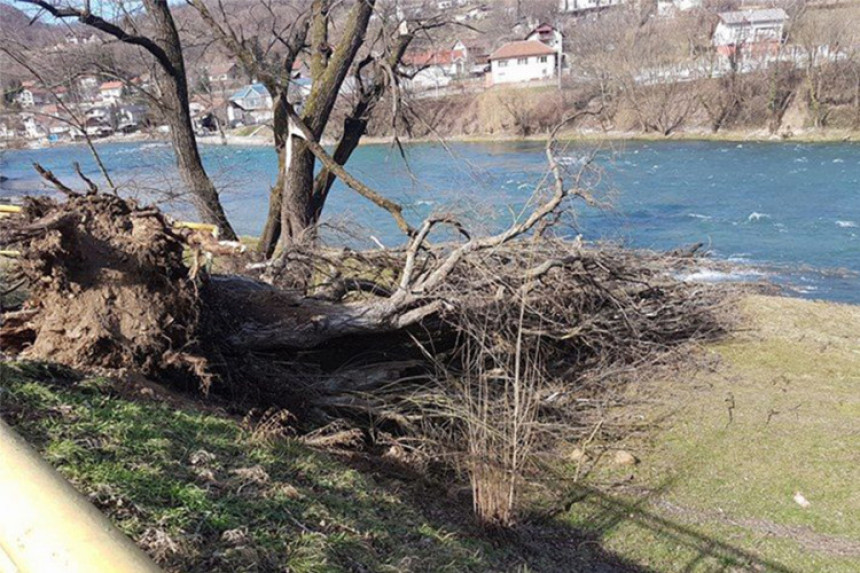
(18, 25)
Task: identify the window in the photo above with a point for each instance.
(543, 59)
(522, 61)
(503, 63)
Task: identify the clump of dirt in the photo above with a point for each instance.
(108, 286)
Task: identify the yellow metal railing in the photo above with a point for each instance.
(46, 526)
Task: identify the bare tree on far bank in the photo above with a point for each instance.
(162, 43)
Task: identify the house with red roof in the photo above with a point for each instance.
(448, 62)
(111, 92)
(523, 61)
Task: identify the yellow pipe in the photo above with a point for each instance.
(10, 253)
(197, 227)
(10, 209)
(46, 526)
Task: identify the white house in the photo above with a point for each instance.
(578, 6)
(30, 95)
(523, 61)
(111, 92)
(475, 55)
(546, 34)
(33, 129)
(549, 36)
(757, 31)
(250, 105)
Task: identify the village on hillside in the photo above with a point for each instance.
(492, 45)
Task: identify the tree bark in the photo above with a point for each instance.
(299, 215)
(188, 162)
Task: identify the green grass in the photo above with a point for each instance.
(714, 493)
(200, 493)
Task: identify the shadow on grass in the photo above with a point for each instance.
(536, 545)
(695, 550)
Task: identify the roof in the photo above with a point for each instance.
(221, 68)
(112, 85)
(475, 44)
(432, 58)
(522, 49)
(258, 89)
(749, 16)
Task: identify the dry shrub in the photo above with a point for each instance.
(268, 426)
(495, 412)
(538, 326)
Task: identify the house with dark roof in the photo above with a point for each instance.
(250, 105)
(31, 96)
(523, 61)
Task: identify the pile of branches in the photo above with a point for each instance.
(589, 309)
(109, 288)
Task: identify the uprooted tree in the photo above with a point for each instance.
(476, 341)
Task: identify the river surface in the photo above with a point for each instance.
(784, 212)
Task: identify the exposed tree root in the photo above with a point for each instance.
(107, 284)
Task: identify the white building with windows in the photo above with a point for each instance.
(578, 6)
(111, 92)
(757, 31)
(524, 61)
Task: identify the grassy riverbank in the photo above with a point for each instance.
(772, 412)
(777, 413)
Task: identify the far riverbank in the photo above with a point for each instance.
(232, 137)
(754, 136)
